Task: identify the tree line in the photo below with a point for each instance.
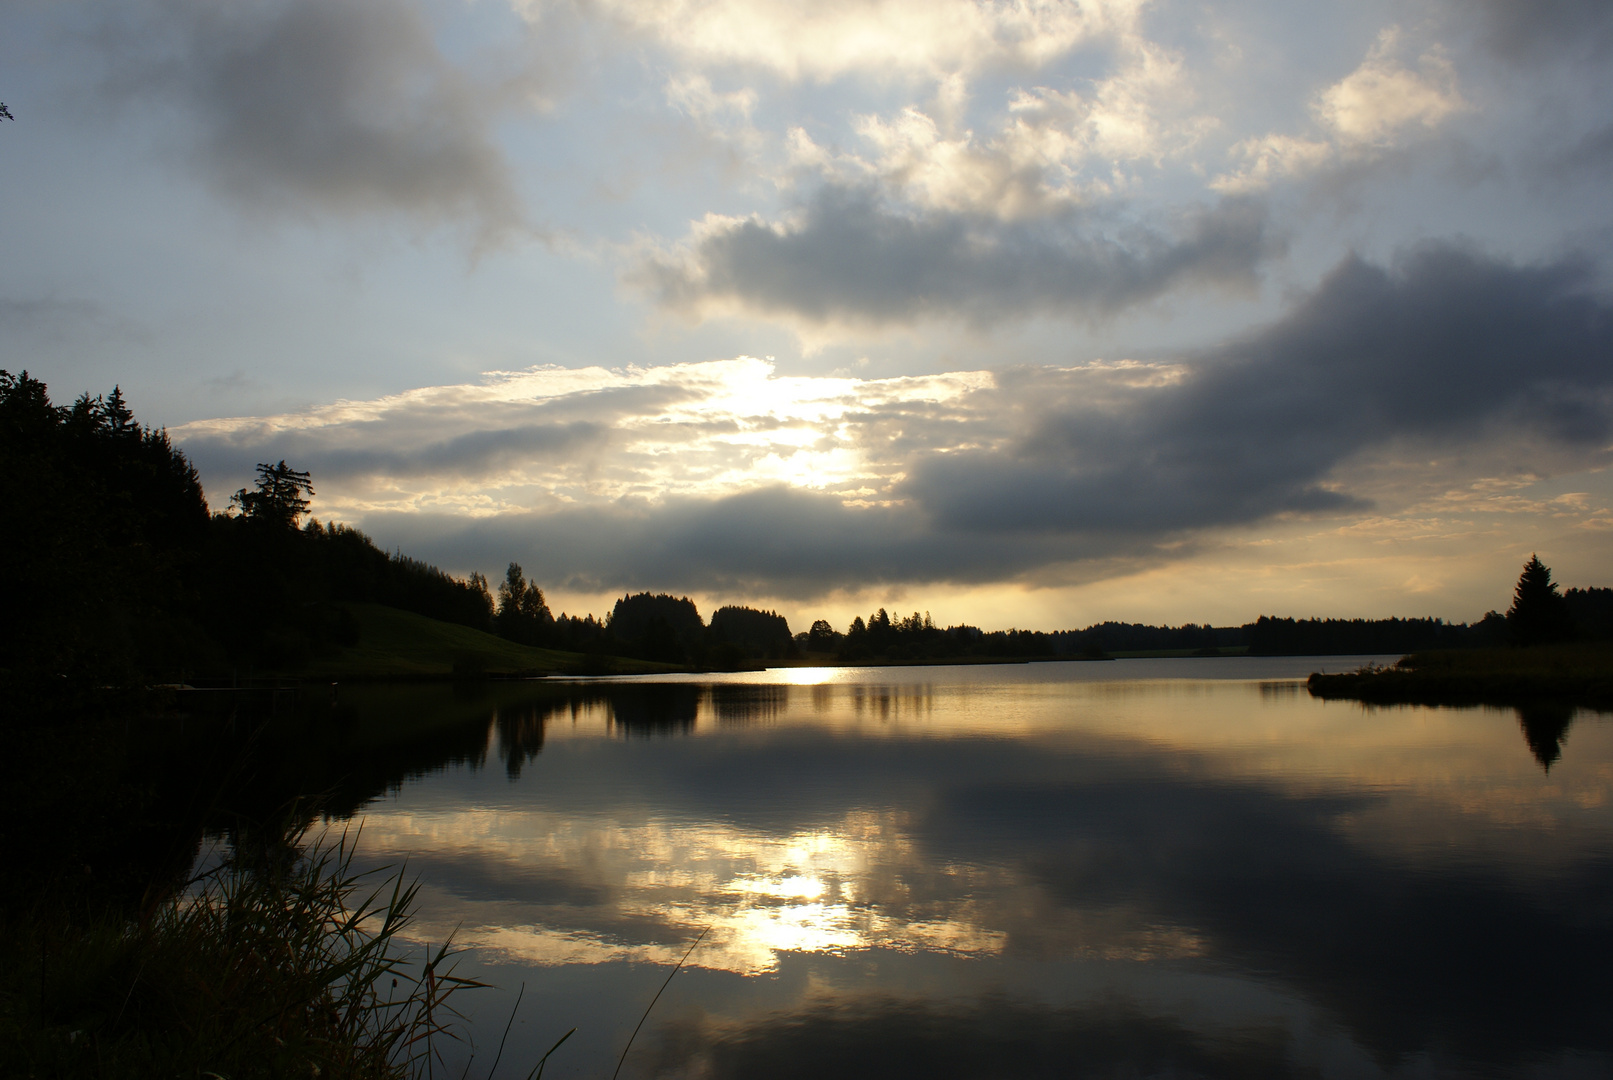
(646, 626)
(1540, 614)
(118, 571)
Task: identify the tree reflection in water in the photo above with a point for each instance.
(999, 873)
(1545, 726)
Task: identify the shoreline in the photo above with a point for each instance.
(1577, 674)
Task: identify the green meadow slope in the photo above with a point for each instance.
(394, 644)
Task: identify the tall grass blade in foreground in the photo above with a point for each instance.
(292, 966)
(648, 1007)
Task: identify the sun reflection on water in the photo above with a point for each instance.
(644, 890)
(640, 885)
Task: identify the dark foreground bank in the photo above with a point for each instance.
(280, 960)
(1572, 674)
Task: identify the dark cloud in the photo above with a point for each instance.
(436, 438)
(1532, 30)
(27, 321)
(775, 541)
(852, 258)
(347, 106)
(1113, 466)
(472, 454)
(1591, 155)
(1446, 346)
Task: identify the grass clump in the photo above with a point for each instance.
(287, 965)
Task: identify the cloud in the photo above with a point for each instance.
(1381, 104)
(1545, 30)
(1588, 157)
(775, 541)
(1446, 346)
(726, 477)
(878, 38)
(1053, 149)
(850, 257)
(1090, 845)
(1383, 96)
(341, 106)
(541, 426)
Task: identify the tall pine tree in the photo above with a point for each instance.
(1538, 615)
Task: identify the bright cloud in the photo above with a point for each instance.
(1382, 97)
(1381, 103)
(877, 38)
(726, 474)
(591, 434)
(235, 209)
(1053, 148)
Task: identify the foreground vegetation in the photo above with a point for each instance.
(291, 966)
(283, 957)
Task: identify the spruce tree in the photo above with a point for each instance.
(1538, 614)
(278, 499)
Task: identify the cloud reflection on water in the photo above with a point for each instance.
(1410, 874)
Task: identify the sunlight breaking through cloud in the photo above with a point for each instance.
(869, 37)
(559, 435)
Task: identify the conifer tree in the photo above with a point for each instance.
(279, 498)
(1538, 614)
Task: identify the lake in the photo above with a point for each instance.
(1133, 868)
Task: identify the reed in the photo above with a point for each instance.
(290, 965)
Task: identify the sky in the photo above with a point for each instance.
(1025, 313)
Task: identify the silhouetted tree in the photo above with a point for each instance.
(658, 626)
(477, 585)
(754, 633)
(1538, 614)
(1592, 612)
(278, 499)
(119, 420)
(107, 524)
(523, 614)
(822, 637)
(578, 633)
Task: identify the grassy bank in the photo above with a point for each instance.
(1579, 674)
(399, 645)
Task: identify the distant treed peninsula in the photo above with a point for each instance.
(120, 574)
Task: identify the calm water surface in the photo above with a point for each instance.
(1138, 868)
